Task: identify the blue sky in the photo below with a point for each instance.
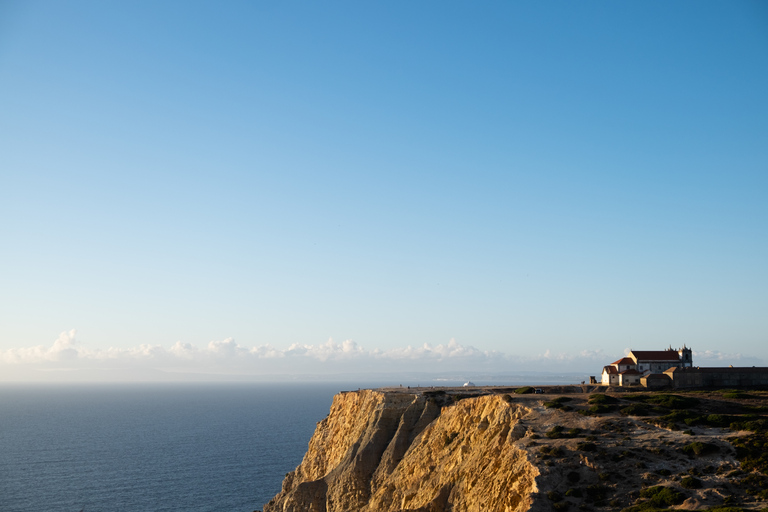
(537, 185)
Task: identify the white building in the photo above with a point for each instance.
(628, 371)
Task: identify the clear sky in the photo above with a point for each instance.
(362, 186)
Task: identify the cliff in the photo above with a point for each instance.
(488, 451)
(380, 451)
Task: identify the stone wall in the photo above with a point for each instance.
(718, 377)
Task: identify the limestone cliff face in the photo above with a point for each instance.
(399, 452)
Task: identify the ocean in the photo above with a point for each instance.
(161, 447)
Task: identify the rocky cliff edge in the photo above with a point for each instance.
(403, 452)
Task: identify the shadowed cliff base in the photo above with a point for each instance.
(569, 448)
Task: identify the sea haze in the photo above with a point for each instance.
(212, 447)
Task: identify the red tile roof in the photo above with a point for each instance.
(610, 369)
(630, 372)
(655, 355)
(624, 360)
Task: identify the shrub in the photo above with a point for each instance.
(752, 425)
(719, 420)
(635, 410)
(752, 451)
(601, 409)
(558, 402)
(600, 398)
(573, 477)
(737, 394)
(699, 448)
(552, 451)
(674, 401)
(555, 433)
(690, 482)
(662, 496)
(524, 390)
(586, 447)
(573, 492)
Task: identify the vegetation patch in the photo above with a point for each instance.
(524, 390)
(733, 394)
(690, 482)
(596, 409)
(551, 451)
(754, 484)
(698, 448)
(586, 446)
(662, 496)
(752, 451)
(574, 492)
(635, 410)
(600, 398)
(754, 425)
(673, 401)
(558, 403)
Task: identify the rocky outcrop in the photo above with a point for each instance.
(403, 452)
(480, 450)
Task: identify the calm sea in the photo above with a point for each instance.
(192, 448)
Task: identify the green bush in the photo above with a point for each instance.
(524, 390)
(601, 408)
(558, 402)
(555, 433)
(751, 425)
(635, 410)
(690, 482)
(600, 398)
(673, 401)
(681, 416)
(752, 451)
(573, 492)
(586, 447)
(662, 496)
(551, 451)
(699, 448)
(738, 394)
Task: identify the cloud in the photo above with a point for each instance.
(228, 357)
(63, 348)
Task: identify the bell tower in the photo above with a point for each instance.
(686, 357)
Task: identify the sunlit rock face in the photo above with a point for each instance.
(397, 451)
